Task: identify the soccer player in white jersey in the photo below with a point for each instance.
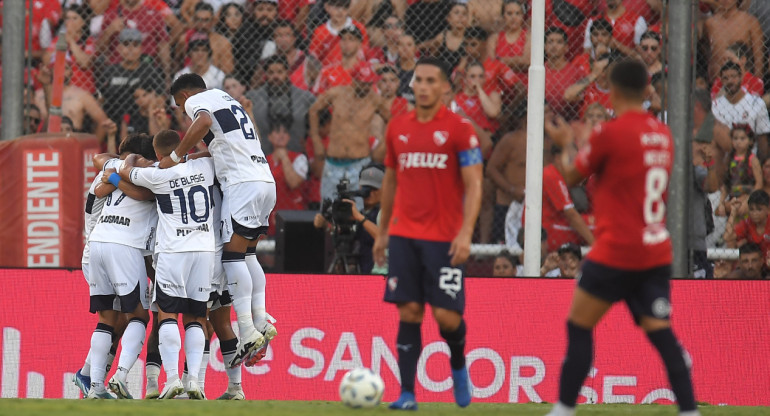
(185, 249)
(118, 243)
(249, 196)
(97, 195)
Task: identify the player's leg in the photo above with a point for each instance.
(152, 367)
(198, 289)
(597, 289)
(651, 308)
(445, 291)
(194, 342)
(169, 345)
(258, 310)
(169, 296)
(404, 288)
(228, 343)
(82, 377)
(209, 330)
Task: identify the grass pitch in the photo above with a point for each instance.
(23, 407)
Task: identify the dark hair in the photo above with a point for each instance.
(601, 24)
(629, 77)
(67, 120)
(202, 5)
(152, 85)
(85, 13)
(438, 63)
(730, 65)
(702, 98)
(473, 63)
(508, 256)
(519, 2)
(187, 82)
(759, 197)
(221, 25)
(571, 248)
(133, 143)
(387, 69)
(338, 3)
(165, 142)
(235, 77)
(740, 49)
(275, 59)
(744, 128)
(650, 34)
(475, 32)
(749, 248)
(553, 29)
(278, 23)
(324, 117)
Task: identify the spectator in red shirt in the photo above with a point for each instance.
(45, 15)
(628, 28)
(289, 171)
(751, 84)
(754, 229)
(388, 86)
(561, 220)
(512, 44)
(312, 189)
(325, 42)
(80, 46)
(601, 37)
(387, 54)
(595, 88)
(150, 22)
(649, 50)
(571, 16)
(559, 73)
(338, 74)
(497, 75)
(480, 106)
(203, 26)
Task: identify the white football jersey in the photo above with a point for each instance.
(216, 214)
(185, 204)
(94, 207)
(126, 221)
(232, 140)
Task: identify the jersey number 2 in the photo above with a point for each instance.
(239, 112)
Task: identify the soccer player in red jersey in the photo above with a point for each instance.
(630, 260)
(431, 196)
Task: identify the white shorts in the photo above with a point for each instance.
(246, 208)
(183, 282)
(116, 270)
(115, 302)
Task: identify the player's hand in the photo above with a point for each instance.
(106, 175)
(559, 131)
(380, 244)
(166, 163)
(460, 248)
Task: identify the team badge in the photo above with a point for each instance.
(474, 141)
(440, 137)
(392, 283)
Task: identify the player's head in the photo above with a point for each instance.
(164, 142)
(185, 87)
(731, 76)
(430, 82)
(750, 260)
(628, 82)
(759, 206)
(134, 143)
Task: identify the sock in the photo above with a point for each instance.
(258, 291)
(111, 355)
(152, 372)
(204, 364)
(131, 343)
(194, 338)
(677, 363)
(86, 369)
(228, 348)
(577, 363)
(169, 344)
(101, 340)
(409, 345)
(456, 342)
(240, 286)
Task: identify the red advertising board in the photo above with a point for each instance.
(42, 224)
(329, 324)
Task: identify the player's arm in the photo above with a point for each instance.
(112, 180)
(562, 135)
(199, 155)
(386, 212)
(472, 175)
(323, 101)
(102, 158)
(197, 131)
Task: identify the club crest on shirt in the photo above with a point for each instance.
(474, 141)
(440, 137)
(392, 283)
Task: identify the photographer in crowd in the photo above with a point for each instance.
(344, 219)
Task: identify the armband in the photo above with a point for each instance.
(114, 179)
(174, 157)
(470, 157)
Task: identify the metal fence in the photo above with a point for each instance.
(294, 63)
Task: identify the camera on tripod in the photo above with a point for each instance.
(338, 212)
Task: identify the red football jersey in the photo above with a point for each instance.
(746, 230)
(556, 200)
(399, 106)
(631, 157)
(428, 204)
(471, 106)
(594, 94)
(332, 76)
(325, 43)
(556, 82)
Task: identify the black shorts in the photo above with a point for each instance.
(419, 271)
(247, 232)
(646, 292)
(128, 302)
(173, 304)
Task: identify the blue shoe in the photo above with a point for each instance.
(405, 402)
(462, 387)
(83, 383)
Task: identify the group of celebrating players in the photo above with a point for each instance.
(203, 246)
(191, 224)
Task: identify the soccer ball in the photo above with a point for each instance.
(361, 388)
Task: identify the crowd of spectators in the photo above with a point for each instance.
(323, 77)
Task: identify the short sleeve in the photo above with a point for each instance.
(300, 165)
(556, 191)
(196, 104)
(390, 153)
(145, 177)
(639, 28)
(465, 137)
(591, 158)
(587, 37)
(719, 115)
(762, 124)
(742, 230)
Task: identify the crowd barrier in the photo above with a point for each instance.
(329, 324)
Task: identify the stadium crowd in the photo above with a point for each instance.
(323, 77)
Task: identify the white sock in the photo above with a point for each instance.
(258, 291)
(169, 344)
(101, 341)
(152, 373)
(86, 369)
(240, 287)
(110, 360)
(194, 339)
(204, 366)
(131, 343)
(228, 348)
(560, 409)
(690, 413)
